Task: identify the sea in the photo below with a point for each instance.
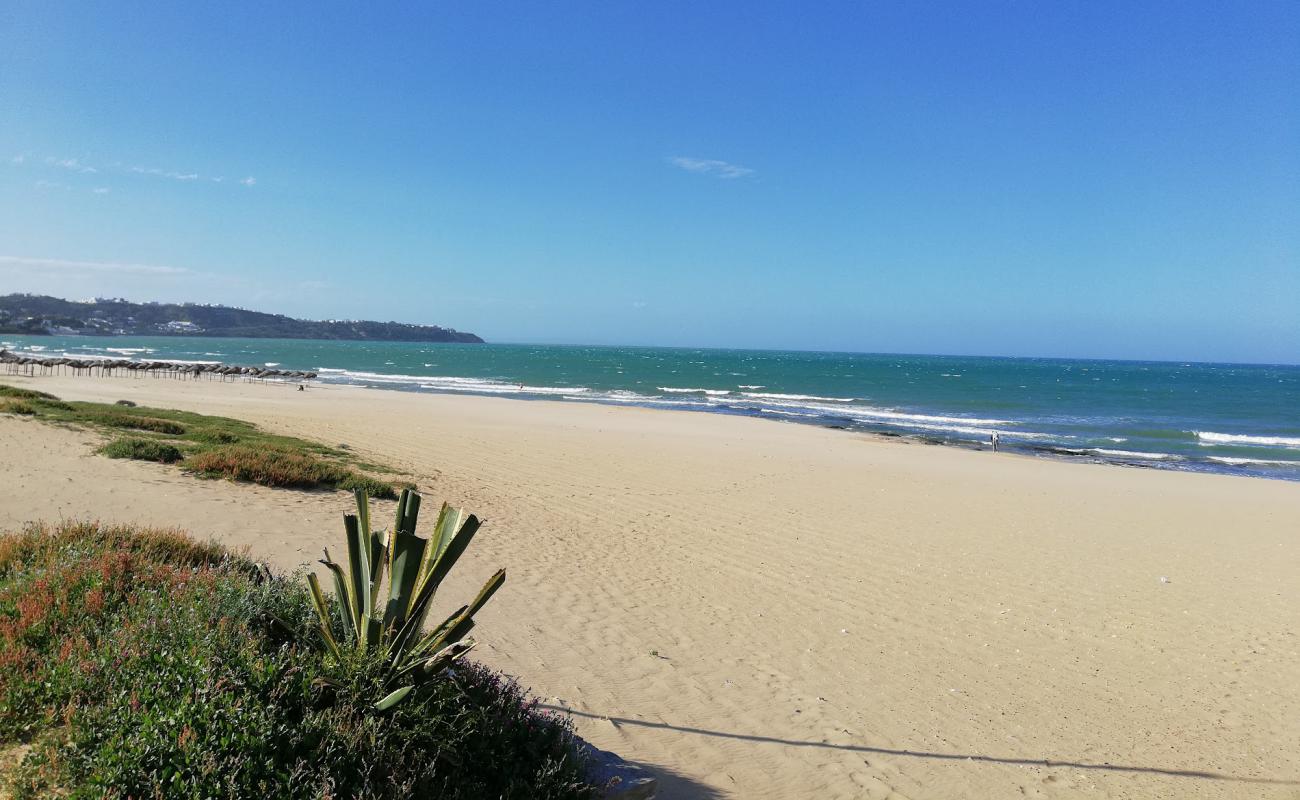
(1239, 419)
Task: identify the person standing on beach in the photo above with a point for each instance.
(994, 439)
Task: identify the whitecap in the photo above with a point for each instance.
(1101, 451)
(1210, 438)
(1237, 462)
(710, 392)
(774, 396)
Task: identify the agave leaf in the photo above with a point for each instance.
(448, 521)
(378, 554)
(436, 544)
(455, 627)
(322, 611)
(393, 698)
(363, 510)
(350, 623)
(365, 561)
(358, 569)
(411, 628)
(451, 551)
(444, 657)
(458, 631)
(465, 622)
(408, 551)
(408, 511)
(432, 665)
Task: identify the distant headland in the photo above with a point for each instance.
(44, 315)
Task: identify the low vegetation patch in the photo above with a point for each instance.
(22, 407)
(269, 467)
(24, 394)
(118, 419)
(142, 450)
(139, 663)
(208, 446)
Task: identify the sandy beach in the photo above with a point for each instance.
(753, 609)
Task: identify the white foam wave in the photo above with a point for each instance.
(883, 415)
(632, 397)
(447, 383)
(710, 392)
(1102, 451)
(809, 397)
(487, 387)
(786, 413)
(1236, 462)
(272, 364)
(1210, 438)
(752, 386)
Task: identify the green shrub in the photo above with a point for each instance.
(17, 407)
(140, 423)
(143, 450)
(276, 467)
(140, 664)
(214, 437)
(24, 394)
(371, 486)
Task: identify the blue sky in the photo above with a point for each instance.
(1074, 179)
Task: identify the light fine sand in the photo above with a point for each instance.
(753, 609)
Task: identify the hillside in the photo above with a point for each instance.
(41, 314)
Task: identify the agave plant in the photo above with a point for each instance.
(391, 621)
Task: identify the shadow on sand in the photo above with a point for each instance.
(888, 751)
(673, 785)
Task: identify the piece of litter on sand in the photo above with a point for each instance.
(1163, 579)
(844, 630)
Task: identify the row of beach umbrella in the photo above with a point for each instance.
(16, 364)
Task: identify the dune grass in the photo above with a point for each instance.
(16, 406)
(142, 450)
(204, 445)
(140, 663)
(24, 394)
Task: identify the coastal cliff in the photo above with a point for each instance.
(41, 314)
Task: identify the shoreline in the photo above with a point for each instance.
(783, 611)
(1210, 464)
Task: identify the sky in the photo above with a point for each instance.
(1091, 179)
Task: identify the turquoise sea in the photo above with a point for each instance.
(1232, 418)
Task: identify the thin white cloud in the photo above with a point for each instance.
(70, 163)
(165, 173)
(711, 166)
(76, 165)
(101, 190)
(24, 263)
